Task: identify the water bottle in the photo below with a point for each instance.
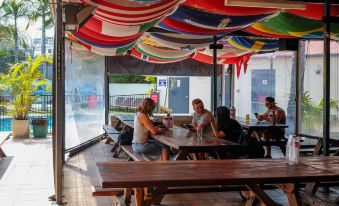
(292, 150)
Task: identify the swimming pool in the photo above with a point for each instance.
(6, 124)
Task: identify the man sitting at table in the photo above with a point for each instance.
(280, 118)
(199, 117)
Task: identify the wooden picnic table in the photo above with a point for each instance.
(249, 172)
(186, 141)
(254, 124)
(254, 127)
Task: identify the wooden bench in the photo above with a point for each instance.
(132, 156)
(163, 175)
(111, 133)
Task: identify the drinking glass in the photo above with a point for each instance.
(199, 133)
(248, 117)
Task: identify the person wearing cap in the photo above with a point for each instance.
(279, 117)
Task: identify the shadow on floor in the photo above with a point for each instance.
(4, 164)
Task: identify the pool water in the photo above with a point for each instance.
(6, 124)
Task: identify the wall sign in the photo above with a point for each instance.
(162, 82)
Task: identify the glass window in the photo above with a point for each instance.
(270, 74)
(84, 95)
(312, 89)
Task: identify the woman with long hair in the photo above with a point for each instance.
(224, 126)
(142, 127)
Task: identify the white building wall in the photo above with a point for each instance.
(200, 87)
(127, 89)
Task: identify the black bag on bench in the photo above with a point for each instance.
(126, 136)
(251, 147)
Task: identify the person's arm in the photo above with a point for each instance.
(145, 120)
(217, 133)
(194, 123)
(279, 114)
(264, 116)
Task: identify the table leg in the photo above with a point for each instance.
(179, 155)
(290, 190)
(127, 196)
(164, 154)
(139, 196)
(2, 153)
(260, 194)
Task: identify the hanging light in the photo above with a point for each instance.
(282, 4)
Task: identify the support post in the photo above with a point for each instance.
(107, 97)
(59, 103)
(326, 78)
(215, 47)
(215, 76)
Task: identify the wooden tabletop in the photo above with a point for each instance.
(213, 172)
(255, 124)
(184, 139)
(125, 117)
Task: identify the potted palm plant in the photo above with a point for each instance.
(20, 81)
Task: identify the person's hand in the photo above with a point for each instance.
(161, 128)
(200, 126)
(208, 118)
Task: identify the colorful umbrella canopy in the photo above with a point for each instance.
(187, 30)
(129, 13)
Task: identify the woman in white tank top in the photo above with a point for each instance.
(142, 126)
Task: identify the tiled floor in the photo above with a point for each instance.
(26, 175)
(27, 178)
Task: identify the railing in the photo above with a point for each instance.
(130, 103)
(42, 107)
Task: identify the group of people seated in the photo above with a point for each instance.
(220, 126)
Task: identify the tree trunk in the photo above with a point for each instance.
(16, 43)
(43, 42)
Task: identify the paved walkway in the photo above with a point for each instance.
(26, 175)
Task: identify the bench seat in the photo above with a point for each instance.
(111, 133)
(136, 156)
(99, 191)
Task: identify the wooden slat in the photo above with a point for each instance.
(98, 191)
(261, 195)
(138, 157)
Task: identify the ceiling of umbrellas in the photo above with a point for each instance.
(163, 31)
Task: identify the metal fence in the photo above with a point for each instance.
(130, 103)
(42, 107)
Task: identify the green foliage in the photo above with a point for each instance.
(132, 79)
(42, 11)
(21, 80)
(11, 12)
(312, 113)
